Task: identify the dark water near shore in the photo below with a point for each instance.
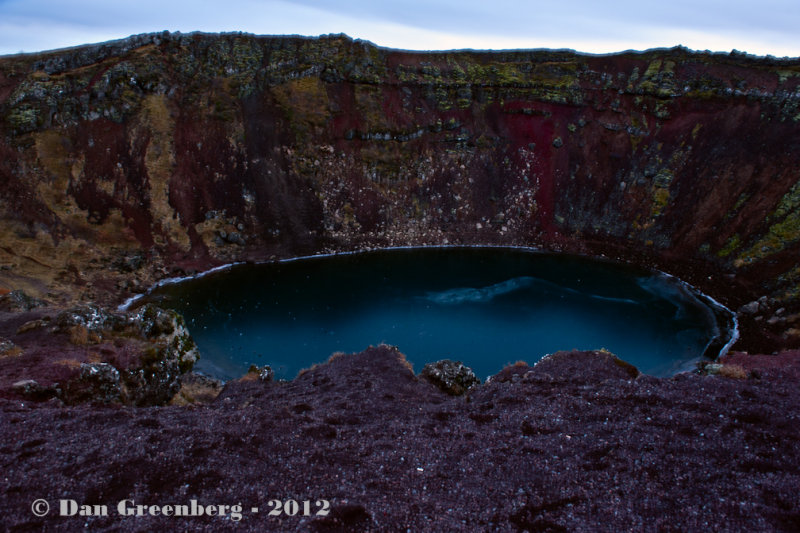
(486, 307)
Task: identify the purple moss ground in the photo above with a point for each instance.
(573, 444)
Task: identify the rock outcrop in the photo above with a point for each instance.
(162, 154)
(449, 376)
(87, 354)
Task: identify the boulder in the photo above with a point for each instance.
(8, 348)
(32, 390)
(19, 301)
(749, 308)
(197, 388)
(96, 383)
(452, 377)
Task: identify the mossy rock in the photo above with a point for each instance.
(452, 377)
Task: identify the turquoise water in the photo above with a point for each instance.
(487, 307)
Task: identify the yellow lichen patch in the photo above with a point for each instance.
(733, 372)
(792, 279)
(401, 357)
(11, 352)
(114, 230)
(652, 68)
(108, 186)
(730, 246)
(31, 325)
(304, 371)
(193, 393)
(52, 149)
(651, 72)
(76, 170)
(660, 191)
(48, 268)
(212, 231)
(208, 230)
(785, 74)
(369, 104)
(69, 363)
(306, 101)
(50, 264)
(159, 160)
(336, 355)
(639, 122)
(660, 200)
(62, 166)
(779, 236)
(79, 335)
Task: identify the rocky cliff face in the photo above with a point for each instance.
(160, 154)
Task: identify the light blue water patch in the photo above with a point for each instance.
(523, 283)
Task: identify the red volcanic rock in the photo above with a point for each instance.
(555, 449)
(165, 154)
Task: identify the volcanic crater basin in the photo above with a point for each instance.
(128, 162)
(485, 306)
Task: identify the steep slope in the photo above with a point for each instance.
(160, 154)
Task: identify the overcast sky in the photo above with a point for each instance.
(596, 26)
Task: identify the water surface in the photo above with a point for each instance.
(487, 307)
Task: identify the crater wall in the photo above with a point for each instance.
(163, 154)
